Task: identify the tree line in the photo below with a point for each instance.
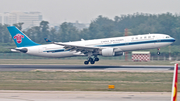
(102, 27)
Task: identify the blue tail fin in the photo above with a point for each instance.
(20, 39)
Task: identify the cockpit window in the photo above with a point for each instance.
(167, 36)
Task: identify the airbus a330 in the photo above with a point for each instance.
(107, 47)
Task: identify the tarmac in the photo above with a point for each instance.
(30, 67)
(13, 95)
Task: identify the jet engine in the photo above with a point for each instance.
(119, 53)
(110, 52)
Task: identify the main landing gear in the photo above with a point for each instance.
(158, 53)
(91, 60)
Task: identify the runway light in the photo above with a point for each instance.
(111, 86)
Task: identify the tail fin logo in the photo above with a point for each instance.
(18, 38)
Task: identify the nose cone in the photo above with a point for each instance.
(173, 40)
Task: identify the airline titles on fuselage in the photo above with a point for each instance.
(112, 41)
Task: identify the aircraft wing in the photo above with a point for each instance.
(83, 49)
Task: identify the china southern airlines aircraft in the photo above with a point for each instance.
(90, 48)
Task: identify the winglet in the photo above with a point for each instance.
(175, 84)
(47, 40)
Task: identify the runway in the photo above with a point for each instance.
(11, 95)
(29, 67)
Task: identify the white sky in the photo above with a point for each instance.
(58, 11)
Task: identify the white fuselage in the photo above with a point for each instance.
(120, 44)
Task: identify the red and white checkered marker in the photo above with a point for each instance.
(141, 57)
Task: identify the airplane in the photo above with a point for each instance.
(106, 47)
(175, 84)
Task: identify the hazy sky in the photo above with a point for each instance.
(58, 11)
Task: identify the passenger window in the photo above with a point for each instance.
(145, 37)
(149, 36)
(136, 37)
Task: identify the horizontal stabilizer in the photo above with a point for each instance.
(23, 50)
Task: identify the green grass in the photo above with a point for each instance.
(87, 81)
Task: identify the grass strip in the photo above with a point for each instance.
(87, 81)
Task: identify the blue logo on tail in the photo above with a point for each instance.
(20, 39)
